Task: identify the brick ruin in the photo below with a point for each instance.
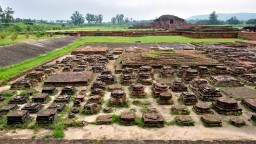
(140, 85)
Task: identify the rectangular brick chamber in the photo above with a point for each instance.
(69, 78)
(139, 57)
(90, 50)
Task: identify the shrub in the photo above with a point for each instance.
(27, 35)
(3, 35)
(40, 34)
(14, 36)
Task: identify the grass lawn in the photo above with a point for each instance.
(11, 71)
(154, 39)
(21, 38)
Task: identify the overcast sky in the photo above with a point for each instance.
(137, 9)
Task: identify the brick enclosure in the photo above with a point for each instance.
(247, 35)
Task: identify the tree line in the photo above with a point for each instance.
(6, 16)
(79, 19)
(213, 20)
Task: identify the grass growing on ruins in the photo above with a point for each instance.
(11, 71)
(21, 38)
(177, 122)
(155, 39)
(151, 55)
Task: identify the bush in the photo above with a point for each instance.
(3, 35)
(27, 35)
(14, 36)
(40, 34)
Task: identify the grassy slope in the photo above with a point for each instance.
(21, 38)
(154, 39)
(8, 72)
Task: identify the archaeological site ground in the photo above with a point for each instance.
(143, 84)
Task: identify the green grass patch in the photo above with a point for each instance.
(151, 55)
(155, 39)
(21, 38)
(11, 71)
(58, 134)
(116, 118)
(8, 93)
(187, 123)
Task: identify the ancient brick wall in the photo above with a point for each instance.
(210, 34)
(247, 35)
(124, 33)
(157, 33)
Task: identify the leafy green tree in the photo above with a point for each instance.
(251, 21)
(120, 18)
(99, 19)
(113, 20)
(1, 14)
(90, 18)
(233, 21)
(213, 18)
(8, 15)
(77, 18)
(126, 20)
(14, 36)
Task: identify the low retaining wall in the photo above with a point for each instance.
(247, 35)
(154, 33)
(127, 33)
(210, 34)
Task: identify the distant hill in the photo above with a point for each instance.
(225, 16)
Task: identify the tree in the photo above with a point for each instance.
(120, 18)
(90, 18)
(100, 19)
(213, 18)
(7, 15)
(113, 20)
(1, 14)
(126, 20)
(251, 21)
(77, 18)
(233, 21)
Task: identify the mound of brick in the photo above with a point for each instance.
(90, 50)
(69, 78)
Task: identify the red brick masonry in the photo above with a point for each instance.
(247, 35)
